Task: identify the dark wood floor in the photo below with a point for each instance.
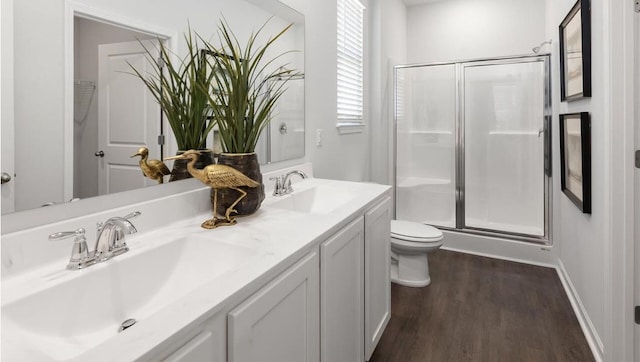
(482, 309)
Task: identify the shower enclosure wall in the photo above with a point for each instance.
(472, 145)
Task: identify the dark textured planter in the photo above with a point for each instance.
(248, 164)
(180, 172)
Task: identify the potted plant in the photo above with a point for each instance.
(246, 87)
(179, 86)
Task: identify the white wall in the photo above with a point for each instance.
(343, 157)
(469, 29)
(580, 239)
(388, 48)
(39, 74)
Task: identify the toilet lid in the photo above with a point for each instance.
(414, 231)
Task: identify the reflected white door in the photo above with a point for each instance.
(503, 110)
(129, 116)
(6, 104)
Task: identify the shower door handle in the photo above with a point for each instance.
(541, 131)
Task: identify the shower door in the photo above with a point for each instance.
(471, 141)
(425, 139)
(502, 171)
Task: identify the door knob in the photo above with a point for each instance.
(99, 153)
(283, 128)
(5, 177)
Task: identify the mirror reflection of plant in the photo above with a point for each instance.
(245, 89)
(179, 87)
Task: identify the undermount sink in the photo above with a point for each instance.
(318, 199)
(70, 317)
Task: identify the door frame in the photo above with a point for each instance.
(74, 9)
(619, 45)
(6, 104)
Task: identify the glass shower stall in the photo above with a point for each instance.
(472, 146)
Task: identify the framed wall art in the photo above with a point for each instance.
(575, 53)
(575, 159)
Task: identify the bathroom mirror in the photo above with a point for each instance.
(55, 159)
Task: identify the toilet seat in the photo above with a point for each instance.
(410, 231)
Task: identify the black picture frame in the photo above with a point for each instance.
(575, 159)
(575, 52)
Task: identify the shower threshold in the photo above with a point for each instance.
(513, 236)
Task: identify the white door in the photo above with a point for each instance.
(342, 295)
(128, 116)
(6, 104)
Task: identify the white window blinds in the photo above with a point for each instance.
(350, 61)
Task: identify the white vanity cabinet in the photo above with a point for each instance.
(280, 321)
(330, 305)
(377, 278)
(331, 308)
(342, 294)
(355, 286)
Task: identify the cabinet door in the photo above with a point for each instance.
(377, 282)
(342, 295)
(281, 321)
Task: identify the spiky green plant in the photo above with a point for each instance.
(180, 89)
(246, 87)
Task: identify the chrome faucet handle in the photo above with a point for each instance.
(278, 188)
(288, 188)
(80, 252)
(132, 215)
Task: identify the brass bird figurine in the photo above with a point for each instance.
(153, 169)
(218, 177)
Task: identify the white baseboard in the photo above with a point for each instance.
(590, 333)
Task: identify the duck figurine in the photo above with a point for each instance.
(218, 177)
(153, 169)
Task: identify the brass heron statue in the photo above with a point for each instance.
(153, 169)
(217, 177)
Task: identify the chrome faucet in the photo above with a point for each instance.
(283, 183)
(109, 241)
(110, 236)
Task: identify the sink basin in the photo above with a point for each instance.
(318, 199)
(87, 308)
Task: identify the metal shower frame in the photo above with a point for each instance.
(460, 138)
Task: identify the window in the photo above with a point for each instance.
(350, 63)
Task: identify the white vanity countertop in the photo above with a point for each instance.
(280, 236)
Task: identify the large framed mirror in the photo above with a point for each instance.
(69, 107)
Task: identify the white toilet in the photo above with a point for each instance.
(410, 243)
